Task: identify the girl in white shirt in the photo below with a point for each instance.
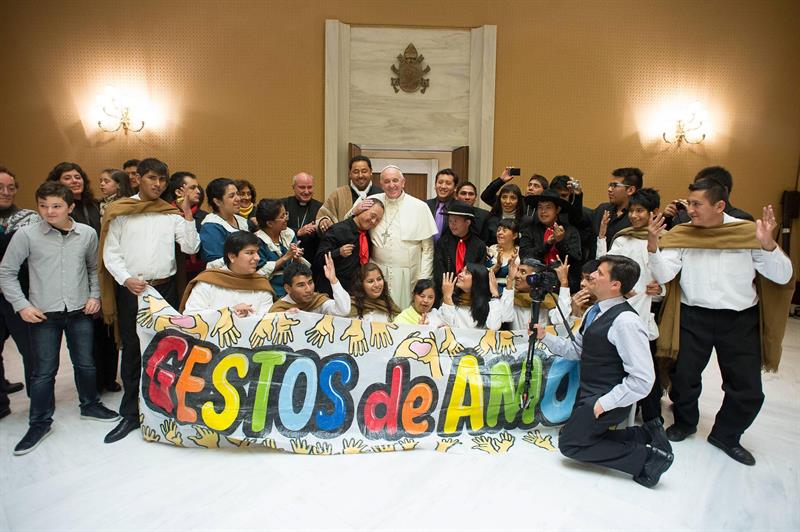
(370, 299)
(471, 299)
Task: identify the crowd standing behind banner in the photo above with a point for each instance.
(380, 255)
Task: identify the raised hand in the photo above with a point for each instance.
(558, 232)
(330, 269)
(445, 444)
(563, 272)
(283, 329)
(601, 233)
(225, 330)
(493, 288)
(264, 330)
(448, 286)
(321, 332)
(654, 229)
(170, 431)
(355, 334)
(380, 336)
(205, 438)
(764, 228)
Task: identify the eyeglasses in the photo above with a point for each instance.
(8, 188)
(617, 184)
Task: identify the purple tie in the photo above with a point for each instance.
(439, 218)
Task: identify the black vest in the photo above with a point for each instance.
(601, 366)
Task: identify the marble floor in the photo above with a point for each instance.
(75, 482)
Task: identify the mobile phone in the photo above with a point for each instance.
(513, 171)
(679, 206)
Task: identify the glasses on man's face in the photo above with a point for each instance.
(615, 184)
(8, 189)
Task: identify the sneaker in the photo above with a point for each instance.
(98, 412)
(31, 440)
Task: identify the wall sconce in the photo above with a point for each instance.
(690, 126)
(118, 111)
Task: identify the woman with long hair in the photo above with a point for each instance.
(223, 198)
(506, 251)
(370, 295)
(471, 299)
(114, 184)
(509, 204)
(421, 311)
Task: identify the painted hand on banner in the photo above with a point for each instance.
(445, 444)
(144, 317)
(488, 343)
(380, 336)
(192, 325)
(384, 448)
(407, 444)
(322, 448)
(283, 329)
(354, 446)
(170, 431)
(205, 438)
(270, 443)
(148, 433)
(246, 442)
(321, 332)
(422, 349)
(225, 330)
(492, 445)
(450, 345)
(264, 330)
(543, 442)
(355, 334)
(505, 344)
(300, 446)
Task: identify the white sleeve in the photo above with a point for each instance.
(340, 305)
(200, 299)
(602, 248)
(186, 235)
(665, 264)
(495, 317)
(448, 314)
(112, 253)
(565, 347)
(426, 261)
(774, 265)
(507, 305)
(264, 304)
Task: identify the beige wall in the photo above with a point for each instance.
(243, 85)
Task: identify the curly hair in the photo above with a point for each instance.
(359, 295)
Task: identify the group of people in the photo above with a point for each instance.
(374, 252)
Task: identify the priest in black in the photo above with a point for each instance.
(616, 371)
(302, 210)
(349, 244)
(458, 245)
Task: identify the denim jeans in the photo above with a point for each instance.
(46, 343)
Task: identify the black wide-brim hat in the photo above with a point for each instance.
(459, 208)
(548, 195)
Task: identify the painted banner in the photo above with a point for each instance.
(318, 384)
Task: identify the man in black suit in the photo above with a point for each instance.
(302, 210)
(458, 245)
(445, 187)
(623, 183)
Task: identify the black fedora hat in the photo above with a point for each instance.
(548, 195)
(459, 208)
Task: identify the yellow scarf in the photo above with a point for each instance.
(245, 212)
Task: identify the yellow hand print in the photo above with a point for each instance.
(321, 332)
(506, 343)
(270, 443)
(488, 343)
(283, 329)
(384, 448)
(300, 446)
(322, 448)
(144, 316)
(445, 444)
(354, 446)
(485, 444)
(543, 442)
(407, 444)
(355, 333)
(246, 442)
(450, 345)
(379, 334)
(170, 431)
(149, 434)
(225, 330)
(205, 438)
(264, 330)
(504, 442)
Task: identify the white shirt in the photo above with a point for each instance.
(338, 306)
(628, 335)
(720, 278)
(206, 296)
(144, 244)
(636, 249)
(461, 318)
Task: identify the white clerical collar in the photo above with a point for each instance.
(360, 193)
(395, 200)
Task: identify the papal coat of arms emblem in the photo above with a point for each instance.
(409, 71)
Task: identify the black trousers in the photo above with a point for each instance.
(651, 405)
(735, 335)
(589, 439)
(11, 324)
(105, 353)
(131, 366)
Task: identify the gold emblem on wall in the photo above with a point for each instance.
(409, 71)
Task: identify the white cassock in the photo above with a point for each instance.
(402, 244)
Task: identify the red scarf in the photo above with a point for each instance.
(461, 251)
(551, 255)
(363, 248)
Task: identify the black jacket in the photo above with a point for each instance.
(444, 256)
(335, 237)
(300, 215)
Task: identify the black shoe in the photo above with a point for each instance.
(31, 440)
(5, 412)
(113, 386)
(13, 387)
(125, 427)
(657, 463)
(736, 451)
(680, 432)
(658, 437)
(98, 412)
